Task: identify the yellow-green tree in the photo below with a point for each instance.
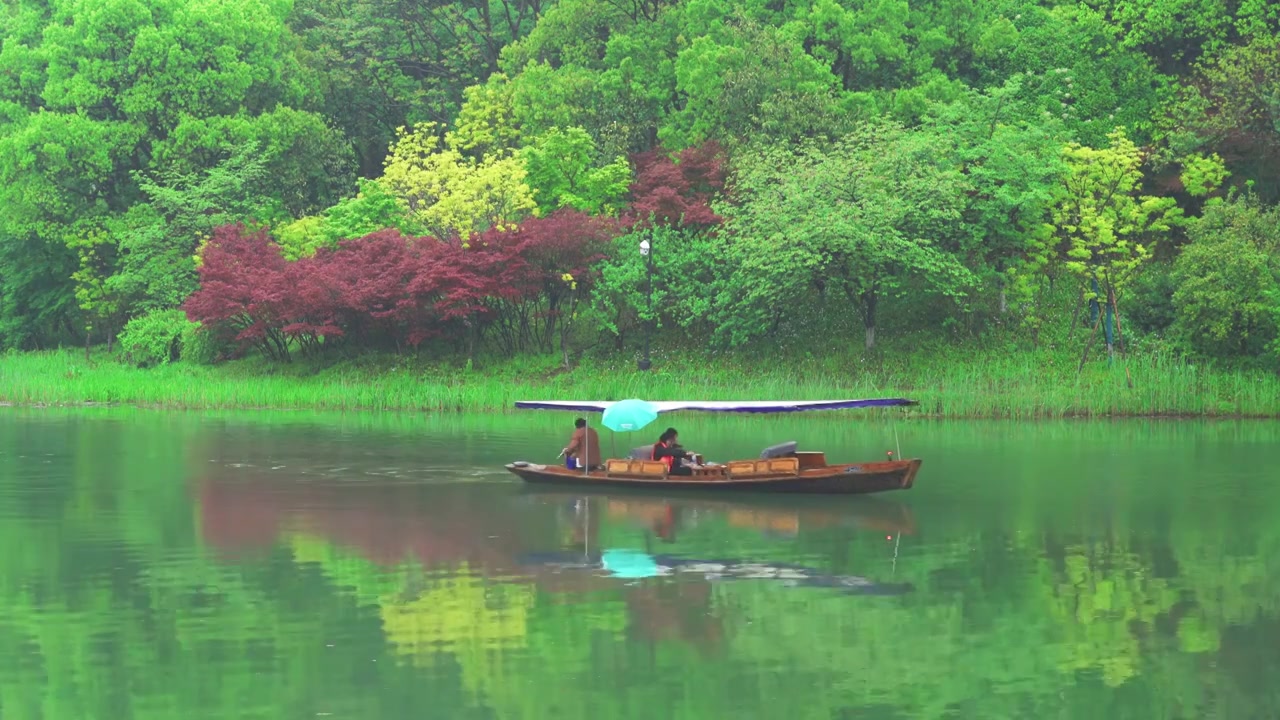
(93, 291)
(450, 194)
(486, 123)
(1104, 227)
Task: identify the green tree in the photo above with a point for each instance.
(157, 239)
(858, 218)
(1086, 78)
(564, 171)
(1014, 162)
(486, 124)
(732, 78)
(1227, 280)
(389, 64)
(93, 95)
(676, 285)
(1231, 106)
(310, 163)
(369, 210)
(1178, 32)
(58, 173)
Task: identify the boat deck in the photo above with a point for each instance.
(771, 475)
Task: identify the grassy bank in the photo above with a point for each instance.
(990, 384)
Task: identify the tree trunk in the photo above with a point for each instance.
(1075, 317)
(87, 334)
(1085, 357)
(1124, 355)
(1004, 302)
(471, 341)
(564, 345)
(869, 317)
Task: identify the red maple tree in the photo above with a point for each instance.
(245, 285)
(387, 290)
(677, 192)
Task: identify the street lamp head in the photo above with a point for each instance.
(644, 247)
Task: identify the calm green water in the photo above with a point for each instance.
(161, 565)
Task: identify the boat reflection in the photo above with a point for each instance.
(666, 518)
(633, 564)
(447, 541)
(773, 515)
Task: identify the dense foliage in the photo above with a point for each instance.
(375, 174)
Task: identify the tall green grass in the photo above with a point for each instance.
(981, 385)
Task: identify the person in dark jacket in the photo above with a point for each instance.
(668, 450)
(584, 446)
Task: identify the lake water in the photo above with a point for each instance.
(295, 565)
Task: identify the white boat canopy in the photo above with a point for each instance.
(743, 406)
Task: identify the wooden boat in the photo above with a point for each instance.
(780, 468)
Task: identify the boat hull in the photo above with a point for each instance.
(850, 479)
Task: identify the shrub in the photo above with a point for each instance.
(521, 284)
(155, 338)
(201, 346)
(1225, 278)
(1148, 309)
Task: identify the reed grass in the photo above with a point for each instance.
(979, 385)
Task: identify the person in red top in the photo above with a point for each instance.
(668, 450)
(584, 446)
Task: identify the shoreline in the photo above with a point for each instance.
(975, 386)
(900, 414)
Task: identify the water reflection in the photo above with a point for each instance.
(664, 518)
(503, 534)
(167, 567)
(775, 515)
(459, 564)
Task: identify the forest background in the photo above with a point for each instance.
(1004, 207)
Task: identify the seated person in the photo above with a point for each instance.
(584, 446)
(668, 450)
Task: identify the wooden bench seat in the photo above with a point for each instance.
(780, 465)
(756, 468)
(734, 469)
(645, 468)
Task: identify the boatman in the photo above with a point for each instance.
(584, 446)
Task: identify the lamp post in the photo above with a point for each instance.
(648, 262)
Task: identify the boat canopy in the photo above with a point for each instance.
(745, 406)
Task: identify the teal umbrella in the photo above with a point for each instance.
(628, 415)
